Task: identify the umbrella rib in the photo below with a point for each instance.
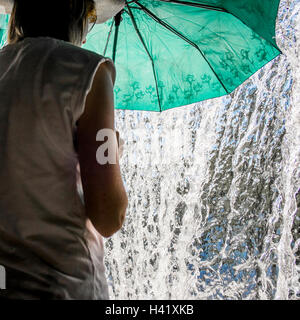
(142, 40)
(198, 5)
(108, 38)
(117, 20)
(166, 25)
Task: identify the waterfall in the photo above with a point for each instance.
(213, 189)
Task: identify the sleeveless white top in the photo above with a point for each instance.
(49, 248)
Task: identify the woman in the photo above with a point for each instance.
(55, 97)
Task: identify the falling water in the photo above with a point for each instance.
(213, 190)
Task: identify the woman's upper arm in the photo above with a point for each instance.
(103, 189)
(99, 106)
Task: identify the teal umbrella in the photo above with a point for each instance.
(171, 53)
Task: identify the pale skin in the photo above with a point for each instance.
(104, 193)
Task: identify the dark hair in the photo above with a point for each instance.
(61, 19)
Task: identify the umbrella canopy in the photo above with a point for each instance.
(171, 53)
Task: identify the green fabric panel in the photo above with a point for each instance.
(259, 15)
